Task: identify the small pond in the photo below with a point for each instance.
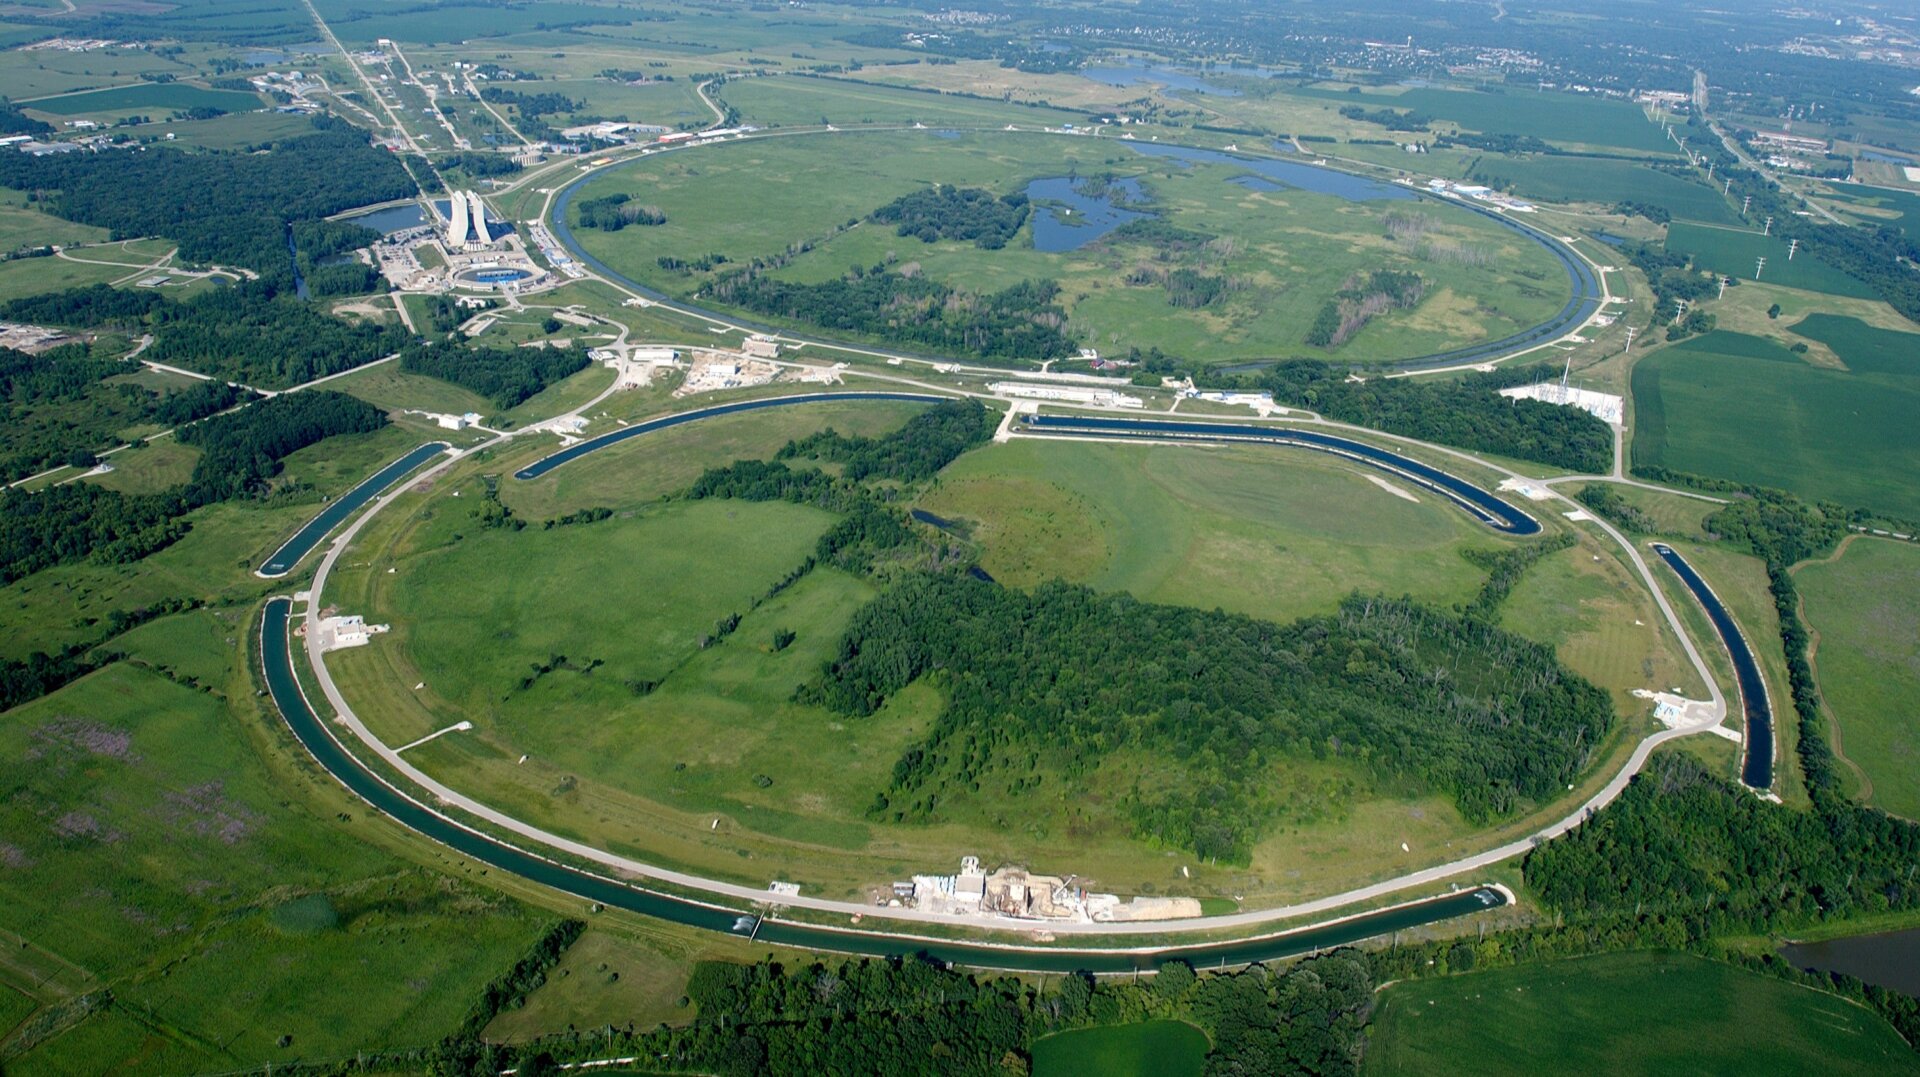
(1067, 217)
(1891, 960)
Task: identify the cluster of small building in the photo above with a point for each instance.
(1018, 894)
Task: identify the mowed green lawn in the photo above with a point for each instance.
(1267, 531)
(1148, 1049)
(1285, 252)
(1585, 179)
(1639, 1013)
(143, 839)
(1735, 252)
(1745, 408)
(1865, 604)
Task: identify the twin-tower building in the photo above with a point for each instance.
(467, 224)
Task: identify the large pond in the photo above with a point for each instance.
(1137, 74)
(1891, 960)
(1070, 212)
(397, 218)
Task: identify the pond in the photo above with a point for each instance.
(1066, 217)
(1149, 1049)
(1891, 959)
(1136, 74)
(393, 219)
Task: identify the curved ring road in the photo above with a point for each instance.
(873, 941)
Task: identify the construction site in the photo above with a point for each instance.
(1015, 893)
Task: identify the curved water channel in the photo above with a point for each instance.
(282, 560)
(320, 741)
(1583, 302)
(1756, 770)
(276, 658)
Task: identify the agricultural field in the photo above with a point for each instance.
(147, 844)
(1748, 409)
(1283, 252)
(1651, 1013)
(1582, 179)
(1876, 206)
(1561, 118)
(144, 99)
(1864, 606)
(1735, 252)
(1150, 1049)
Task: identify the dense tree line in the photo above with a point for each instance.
(527, 974)
(15, 122)
(66, 405)
(505, 376)
(475, 163)
(1359, 300)
(613, 212)
(1016, 323)
(928, 442)
(1606, 502)
(1493, 720)
(199, 401)
(241, 450)
(867, 532)
(1390, 119)
(911, 1016)
(89, 306)
(62, 374)
(968, 214)
(1467, 411)
(226, 208)
(1683, 844)
(248, 334)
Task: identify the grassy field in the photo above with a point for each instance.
(236, 130)
(146, 842)
(1627, 1013)
(1734, 252)
(1149, 1049)
(35, 276)
(1745, 408)
(803, 101)
(604, 979)
(1270, 532)
(1865, 605)
(1285, 251)
(717, 769)
(1584, 179)
(1603, 623)
(22, 225)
